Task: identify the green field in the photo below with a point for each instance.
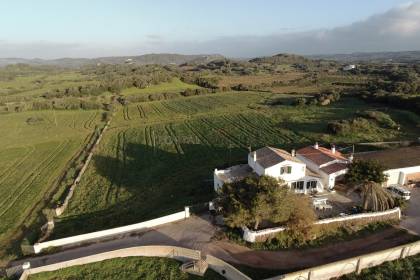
(159, 156)
(174, 86)
(35, 148)
(145, 268)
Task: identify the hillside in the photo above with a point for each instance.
(162, 59)
(282, 59)
(403, 57)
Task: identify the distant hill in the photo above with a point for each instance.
(403, 57)
(163, 59)
(282, 59)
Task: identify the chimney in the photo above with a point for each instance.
(293, 153)
(254, 154)
(333, 148)
(316, 146)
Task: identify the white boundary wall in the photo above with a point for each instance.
(252, 236)
(97, 235)
(356, 264)
(221, 267)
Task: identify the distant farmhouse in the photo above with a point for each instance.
(349, 67)
(311, 169)
(317, 169)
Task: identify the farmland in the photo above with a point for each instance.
(35, 149)
(171, 147)
(171, 126)
(127, 268)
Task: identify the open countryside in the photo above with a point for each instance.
(283, 143)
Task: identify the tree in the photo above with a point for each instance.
(375, 197)
(363, 171)
(367, 177)
(302, 218)
(253, 200)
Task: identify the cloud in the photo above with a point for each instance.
(395, 30)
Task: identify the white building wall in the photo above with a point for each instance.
(298, 171)
(398, 176)
(255, 166)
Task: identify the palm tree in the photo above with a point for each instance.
(375, 197)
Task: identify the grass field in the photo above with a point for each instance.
(175, 85)
(34, 150)
(159, 156)
(145, 268)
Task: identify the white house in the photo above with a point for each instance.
(349, 67)
(330, 164)
(276, 163)
(402, 164)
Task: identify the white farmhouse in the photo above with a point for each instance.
(276, 163)
(330, 164)
(402, 164)
(349, 67)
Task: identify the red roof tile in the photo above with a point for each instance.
(335, 167)
(321, 155)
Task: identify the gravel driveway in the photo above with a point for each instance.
(411, 221)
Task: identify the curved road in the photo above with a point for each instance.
(198, 232)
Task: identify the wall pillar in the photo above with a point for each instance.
(187, 212)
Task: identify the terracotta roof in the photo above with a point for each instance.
(394, 158)
(335, 167)
(320, 156)
(268, 156)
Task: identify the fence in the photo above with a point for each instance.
(182, 254)
(89, 237)
(262, 235)
(356, 264)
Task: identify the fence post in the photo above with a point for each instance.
(403, 252)
(359, 266)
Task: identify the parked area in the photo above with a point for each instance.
(411, 220)
(335, 204)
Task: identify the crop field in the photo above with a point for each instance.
(159, 156)
(35, 148)
(146, 268)
(229, 81)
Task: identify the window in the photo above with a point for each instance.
(298, 185)
(285, 170)
(311, 185)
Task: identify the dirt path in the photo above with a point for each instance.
(303, 258)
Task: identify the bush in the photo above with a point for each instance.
(383, 119)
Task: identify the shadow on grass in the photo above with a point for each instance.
(154, 182)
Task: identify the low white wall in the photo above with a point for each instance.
(179, 253)
(253, 236)
(79, 239)
(351, 265)
(225, 269)
(146, 251)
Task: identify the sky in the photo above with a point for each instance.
(235, 28)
